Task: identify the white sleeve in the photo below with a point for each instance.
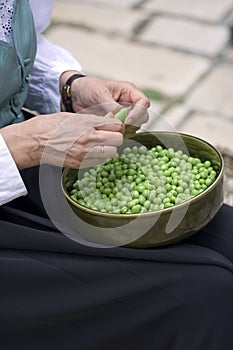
(51, 60)
(11, 183)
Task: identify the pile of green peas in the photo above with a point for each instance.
(142, 180)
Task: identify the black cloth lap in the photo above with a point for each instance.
(58, 294)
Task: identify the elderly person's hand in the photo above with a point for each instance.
(110, 96)
(63, 139)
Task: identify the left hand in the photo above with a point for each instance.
(88, 92)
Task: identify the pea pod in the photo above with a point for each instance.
(122, 114)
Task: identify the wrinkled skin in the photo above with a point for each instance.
(80, 139)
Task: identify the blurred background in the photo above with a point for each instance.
(179, 52)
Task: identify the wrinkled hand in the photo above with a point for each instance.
(63, 139)
(110, 96)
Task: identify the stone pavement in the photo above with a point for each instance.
(179, 53)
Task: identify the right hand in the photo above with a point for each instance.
(63, 139)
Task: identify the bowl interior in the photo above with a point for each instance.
(189, 144)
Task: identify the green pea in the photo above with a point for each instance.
(114, 201)
(166, 200)
(124, 210)
(81, 202)
(142, 199)
(136, 209)
(147, 204)
(157, 200)
(140, 188)
(207, 163)
(204, 174)
(142, 150)
(208, 181)
(74, 197)
(146, 193)
(141, 180)
(107, 191)
(135, 194)
(168, 205)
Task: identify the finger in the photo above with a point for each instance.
(100, 137)
(139, 98)
(137, 116)
(112, 140)
(98, 155)
(83, 163)
(102, 152)
(110, 124)
(95, 155)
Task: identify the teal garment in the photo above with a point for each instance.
(16, 63)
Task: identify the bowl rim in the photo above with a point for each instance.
(154, 212)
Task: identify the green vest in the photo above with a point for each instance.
(16, 63)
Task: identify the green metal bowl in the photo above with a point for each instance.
(159, 227)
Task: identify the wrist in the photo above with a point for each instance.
(66, 81)
(65, 76)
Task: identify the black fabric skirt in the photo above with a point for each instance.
(58, 294)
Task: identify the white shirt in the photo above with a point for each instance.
(43, 97)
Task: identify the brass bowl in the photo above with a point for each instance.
(159, 227)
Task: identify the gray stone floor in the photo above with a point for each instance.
(178, 52)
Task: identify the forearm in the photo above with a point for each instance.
(22, 144)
